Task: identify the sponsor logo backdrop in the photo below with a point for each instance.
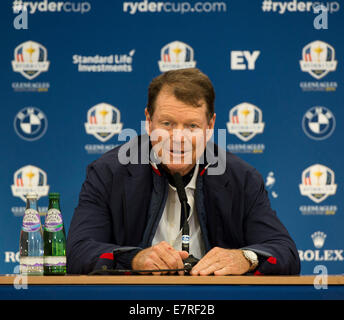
(83, 67)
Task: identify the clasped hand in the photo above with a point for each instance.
(217, 261)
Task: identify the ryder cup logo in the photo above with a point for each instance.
(176, 55)
(318, 123)
(30, 179)
(30, 59)
(318, 183)
(103, 121)
(318, 59)
(245, 121)
(30, 123)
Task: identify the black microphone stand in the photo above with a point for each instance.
(190, 261)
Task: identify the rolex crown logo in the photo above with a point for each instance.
(318, 238)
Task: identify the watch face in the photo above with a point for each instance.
(252, 258)
(250, 255)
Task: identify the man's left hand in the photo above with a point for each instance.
(221, 262)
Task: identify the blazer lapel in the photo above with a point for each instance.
(137, 190)
(137, 193)
(218, 198)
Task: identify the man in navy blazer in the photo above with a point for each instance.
(128, 216)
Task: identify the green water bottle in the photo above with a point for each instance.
(54, 238)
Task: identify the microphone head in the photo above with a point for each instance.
(178, 181)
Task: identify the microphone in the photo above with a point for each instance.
(190, 261)
(106, 266)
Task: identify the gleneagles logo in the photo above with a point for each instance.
(318, 239)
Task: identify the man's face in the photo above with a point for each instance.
(178, 131)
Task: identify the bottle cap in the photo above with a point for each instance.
(31, 195)
(54, 195)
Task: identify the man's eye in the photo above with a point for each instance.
(193, 126)
(166, 123)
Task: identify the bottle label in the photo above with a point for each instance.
(31, 265)
(58, 261)
(53, 221)
(31, 220)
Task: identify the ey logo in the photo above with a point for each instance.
(244, 60)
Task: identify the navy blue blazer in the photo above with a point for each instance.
(120, 206)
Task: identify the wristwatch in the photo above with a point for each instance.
(252, 258)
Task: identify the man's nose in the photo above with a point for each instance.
(178, 134)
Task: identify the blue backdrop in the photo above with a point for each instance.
(74, 75)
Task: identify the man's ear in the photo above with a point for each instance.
(210, 129)
(148, 121)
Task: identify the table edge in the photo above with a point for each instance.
(169, 280)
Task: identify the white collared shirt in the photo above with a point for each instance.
(169, 226)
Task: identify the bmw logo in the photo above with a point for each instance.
(30, 123)
(318, 123)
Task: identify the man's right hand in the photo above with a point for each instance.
(160, 256)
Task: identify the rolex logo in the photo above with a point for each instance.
(318, 238)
